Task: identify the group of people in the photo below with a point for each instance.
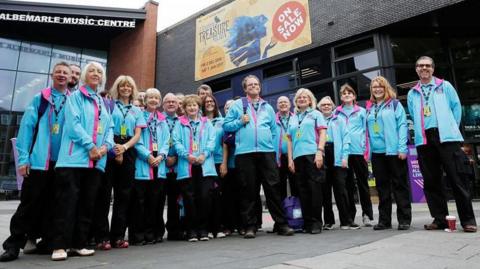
(77, 145)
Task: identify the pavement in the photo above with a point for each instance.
(364, 248)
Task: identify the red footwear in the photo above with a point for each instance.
(121, 244)
(105, 245)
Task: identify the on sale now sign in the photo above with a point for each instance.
(247, 31)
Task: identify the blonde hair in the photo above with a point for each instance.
(389, 92)
(326, 98)
(313, 100)
(191, 98)
(153, 91)
(121, 81)
(99, 67)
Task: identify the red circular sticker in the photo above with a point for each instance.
(289, 21)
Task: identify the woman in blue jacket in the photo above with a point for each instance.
(211, 111)
(306, 148)
(150, 174)
(86, 138)
(355, 119)
(120, 171)
(194, 140)
(387, 137)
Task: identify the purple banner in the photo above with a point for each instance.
(415, 176)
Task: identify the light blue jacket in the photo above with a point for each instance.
(83, 130)
(337, 133)
(218, 151)
(144, 146)
(260, 132)
(183, 140)
(447, 108)
(133, 118)
(303, 131)
(356, 124)
(391, 137)
(46, 143)
(281, 146)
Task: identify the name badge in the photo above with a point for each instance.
(285, 137)
(123, 130)
(427, 112)
(376, 128)
(55, 128)
(298, 134)
(194, 146)
(100, 129)
(155, 147)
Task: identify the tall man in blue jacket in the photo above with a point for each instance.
(436, 112)
(38, 143)
(253, 121)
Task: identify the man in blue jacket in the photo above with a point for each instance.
(436, 112)
(253, 121)
(38, 143)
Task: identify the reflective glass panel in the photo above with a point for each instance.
(26, 87)
(35, 57)
(9, 50)
(7, 81)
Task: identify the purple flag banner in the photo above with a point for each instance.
(415, 176)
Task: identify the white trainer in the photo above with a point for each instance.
(83, 252)
(59, 255)
(221, 235)
(366, 221)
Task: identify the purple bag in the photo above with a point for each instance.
(293, 212)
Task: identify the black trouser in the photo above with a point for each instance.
(197, 192)
(342, 197)
(308, 179)
(121, 177)
(75, 196)
(174, 226)
(286, 175)
(431, 158)
(252, 169)
(148, 210)
(359, 166)
(230, 201)
(100, 227)
(215, 220)
(328, 216)
(391, 177)
(33, 216)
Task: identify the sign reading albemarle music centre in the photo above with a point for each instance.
(86, 21)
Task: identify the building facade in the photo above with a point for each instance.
(35, 36)
(351, 42)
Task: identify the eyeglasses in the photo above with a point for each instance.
(424, 65)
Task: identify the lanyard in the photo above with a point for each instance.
(285, 127)
(194, 127)
(99, 105)
(152, 127)
(171, 124)
(426, 94)
(304, 114)
(124, 114)
(377, 109)
(60, 107)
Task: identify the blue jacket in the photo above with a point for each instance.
(337, 133)
(183, 139)
(259, 134)
(447, 108)
(47, 142)
(356, 124)
(87, 124)
(303, 131)
(218, 151)
(128, 115)
(144, 146)
(391, 137)
(281, 146)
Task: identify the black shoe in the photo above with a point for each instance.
(315, 231)
(381, 226)
(403, 227)
(249, 234)
(9, 255)
(285, 230)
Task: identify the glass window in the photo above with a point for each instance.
(468, 80)
(26, 86)
(323, 90)
(66, 54)
(357, 63)
(361, 84)
(35, 57)
(7, 82)
(9, 50)
(315, 66)
(408, 49)
(354, 47)
(99, 56)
